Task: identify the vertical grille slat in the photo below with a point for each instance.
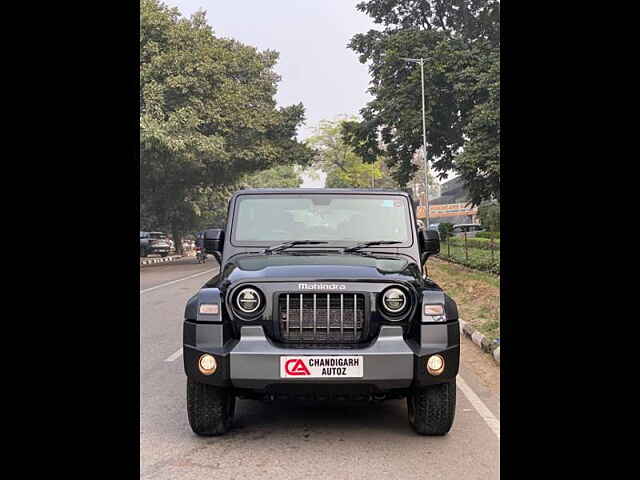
(288, 322)
(309, 318)
(355, 314)
(328, 313)
(342, 316)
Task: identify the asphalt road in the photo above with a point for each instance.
(295, 440)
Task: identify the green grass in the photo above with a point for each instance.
(482, 243)
(476, 293)
(477, 258)
(490, 329)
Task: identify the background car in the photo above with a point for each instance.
(470, 228)
(154, 243)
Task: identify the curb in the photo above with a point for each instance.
(480, 340)
(171, 258)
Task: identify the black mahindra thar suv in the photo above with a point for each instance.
(322, 294)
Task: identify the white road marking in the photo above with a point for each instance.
(174, 355)
(176, 281)
(481, 408)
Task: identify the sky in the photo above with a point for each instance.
(311, 36)
(315, 65)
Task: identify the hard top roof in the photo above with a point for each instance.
(303, 191)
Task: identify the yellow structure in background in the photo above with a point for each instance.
(447, 210)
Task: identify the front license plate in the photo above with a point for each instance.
(322, 366)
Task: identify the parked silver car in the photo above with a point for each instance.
(470, 228)
(154, 243)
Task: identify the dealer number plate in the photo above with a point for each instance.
(323, 366)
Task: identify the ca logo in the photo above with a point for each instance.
(295, 366)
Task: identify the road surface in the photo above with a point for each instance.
(297, 440)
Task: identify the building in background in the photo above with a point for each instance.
(452, 205)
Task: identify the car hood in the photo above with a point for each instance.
(315, 267)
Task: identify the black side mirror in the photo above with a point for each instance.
(213, 241)
(430, 244)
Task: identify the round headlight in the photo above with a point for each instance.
(394, 300)
(248, 300)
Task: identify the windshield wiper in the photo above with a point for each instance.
(282, 246)
(369, 244)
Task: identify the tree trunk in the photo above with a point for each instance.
(177, 239)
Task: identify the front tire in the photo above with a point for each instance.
(210, 409)
(432, 409)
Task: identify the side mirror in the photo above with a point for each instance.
(430, 244)
(213, 241)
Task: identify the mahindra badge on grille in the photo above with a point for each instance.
(321, 286)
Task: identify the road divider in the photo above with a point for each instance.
(170, 258)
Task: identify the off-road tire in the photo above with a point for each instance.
(431, 409)
(210, 409)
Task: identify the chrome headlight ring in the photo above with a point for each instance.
(248, 300)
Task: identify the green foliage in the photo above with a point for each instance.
(490, 216)
(479, 259)
(208, 117)
(343, 166)
(445, 230)
(354, 174)
(461, 44)
(476, 242)
(418, 179)
(282, 176)
(494, 235)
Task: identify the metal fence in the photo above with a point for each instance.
(472, 252)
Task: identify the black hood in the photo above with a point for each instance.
(319, 266)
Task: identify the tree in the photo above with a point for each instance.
(208, 117)
(343, 166)
(417, 178)
(489, 214)
(445, 229)
(460, 40)
(282, 176)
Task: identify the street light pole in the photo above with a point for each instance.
(424, 140)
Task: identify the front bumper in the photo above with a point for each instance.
(253, 361)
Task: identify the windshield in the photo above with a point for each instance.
(158, 235)
(335, 218)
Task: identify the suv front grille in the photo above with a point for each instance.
(302, 318)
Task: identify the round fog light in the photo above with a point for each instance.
(435, 365)
(207, 364)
